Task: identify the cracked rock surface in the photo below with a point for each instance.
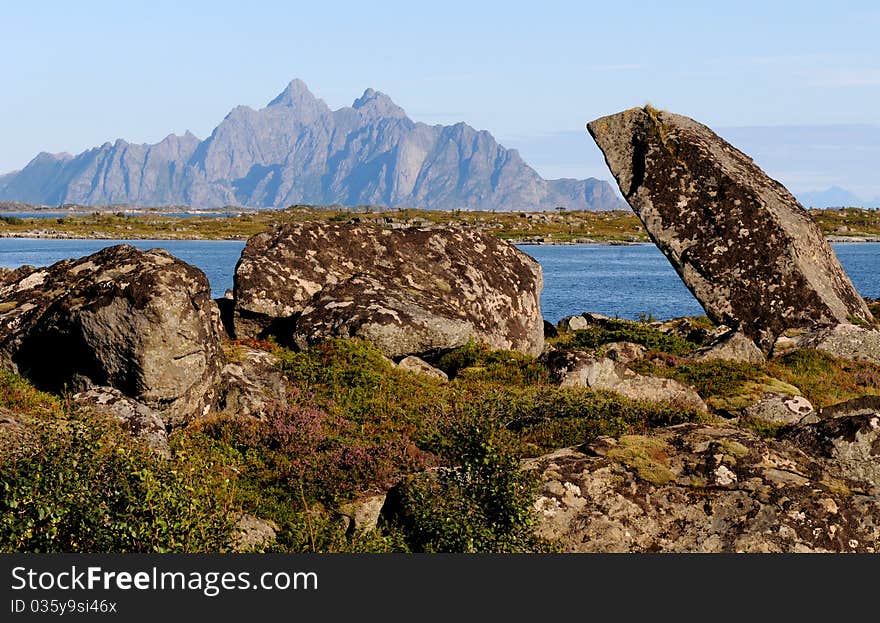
(715, 488)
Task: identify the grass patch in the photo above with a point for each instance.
(610, 331)
(825, 379)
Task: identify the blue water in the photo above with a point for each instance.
(138, 214)
(622, 281)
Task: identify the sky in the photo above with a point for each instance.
(77, 74)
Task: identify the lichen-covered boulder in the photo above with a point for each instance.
(740, 241)
(712, 488)
(410, 291)
(581, 369)
(142, 322)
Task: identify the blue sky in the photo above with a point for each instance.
(76, 74)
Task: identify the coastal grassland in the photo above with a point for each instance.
(353, 425)
(561, 226)
(554, 226)
(848, 222)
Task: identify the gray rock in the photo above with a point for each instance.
(410, 291)
(702, 488)
(743, 245)
(779, 409)
(581, 369)
(863, 405)
(850, 444)
(624, 352)
(362, 515)
(297, 150)
(253, 534)
(733, 346)
(420, 366)
(572, 323)
(143, 423)
(844, 340)
(140, 321)
(250, 383)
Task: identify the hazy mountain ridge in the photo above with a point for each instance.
(835, 197)
(298, 150)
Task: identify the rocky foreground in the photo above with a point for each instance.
(397, 389)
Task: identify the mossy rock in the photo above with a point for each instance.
(749, 393)
(647, 456)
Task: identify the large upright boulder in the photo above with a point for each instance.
(410, 291)
(741, 242)
(142, 322)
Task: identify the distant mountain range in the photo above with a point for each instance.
(297, 150)
(835, 197)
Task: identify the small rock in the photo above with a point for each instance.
(570, 324)
(863, 405)
(420, 366)
(733, 346)
(363, 514)
(254, 534)
(779, 409)
(624, 352)
(581, 369)
(850, 443)
(845, 340)
(142, 422)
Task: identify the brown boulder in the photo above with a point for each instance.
(740, 241)
(140, 321)
(410, 291)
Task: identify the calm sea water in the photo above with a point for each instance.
(623, 281)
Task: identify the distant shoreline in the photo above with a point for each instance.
(521, 242)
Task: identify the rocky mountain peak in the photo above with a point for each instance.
(296, 150)
(295, 95)
(375, 104)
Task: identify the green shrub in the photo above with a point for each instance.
(825, 379)
(715, 377)
(626, 331)
(477, 362)
(80, 485)
(482, 504)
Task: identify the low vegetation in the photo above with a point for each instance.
(354, 424)
(614, 330)
(239, 224)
